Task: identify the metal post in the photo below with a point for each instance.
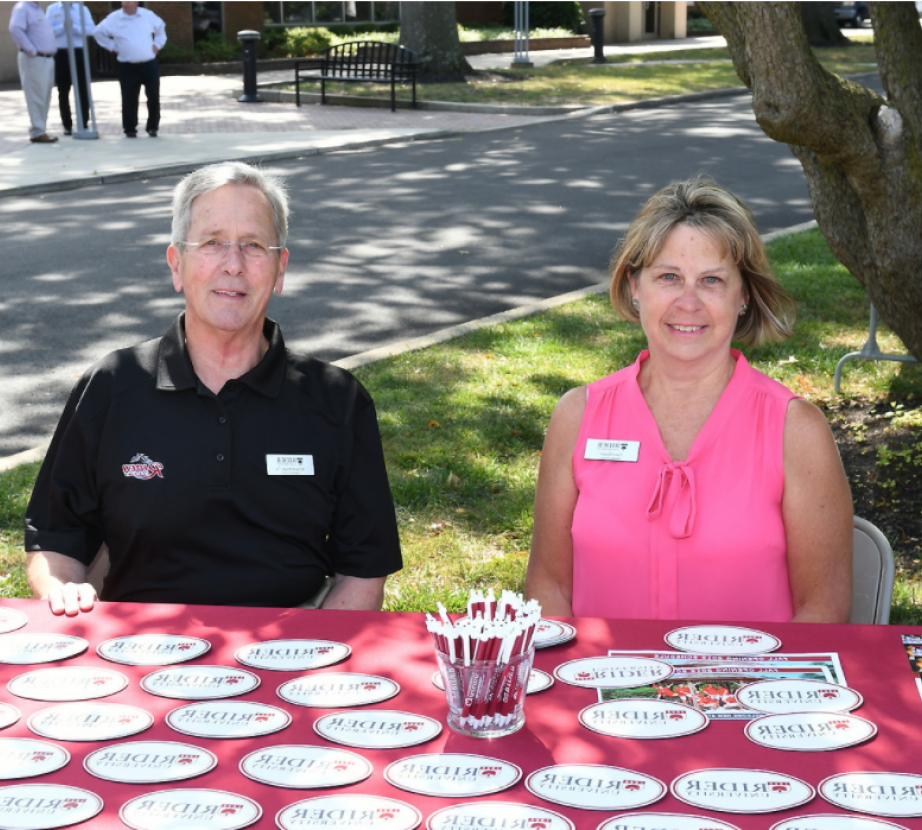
(869, 351)
(597, 16)
(521, 34)
(249, 39)
(83, 130)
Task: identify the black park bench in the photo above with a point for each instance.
(360, 60)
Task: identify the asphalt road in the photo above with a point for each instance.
(386, 243)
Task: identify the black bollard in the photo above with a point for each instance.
(597, 16)
(249, 39)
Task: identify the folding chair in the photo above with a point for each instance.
(872, 561)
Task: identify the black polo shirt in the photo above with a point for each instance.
(247, 497)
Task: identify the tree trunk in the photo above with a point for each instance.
(821, 26)
(862, 154)
(431, 30)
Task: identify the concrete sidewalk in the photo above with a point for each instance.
(203, 122)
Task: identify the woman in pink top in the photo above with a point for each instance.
(689, 485)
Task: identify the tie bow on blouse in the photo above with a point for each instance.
(675, 484)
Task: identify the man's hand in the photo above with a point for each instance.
(71, 598)
(62, 581)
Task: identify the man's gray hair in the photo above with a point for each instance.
(210, 178)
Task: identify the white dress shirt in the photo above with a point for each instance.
(31, 30)
(132, 36)
(79, 28)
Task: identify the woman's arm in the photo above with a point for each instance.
(817, 512)
(550, 565)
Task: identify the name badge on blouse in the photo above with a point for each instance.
(290, 465)
(598, 449)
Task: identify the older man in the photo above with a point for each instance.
(136, 35)
(215, 466)
(34, 37)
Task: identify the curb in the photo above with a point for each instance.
(414, 344)
(551, 113)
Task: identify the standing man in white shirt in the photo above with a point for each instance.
(136, 36)
(81, 27)
(32, 33)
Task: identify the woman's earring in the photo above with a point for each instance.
(744, 309)
(635, 304)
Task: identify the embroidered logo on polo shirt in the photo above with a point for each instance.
(142, 467)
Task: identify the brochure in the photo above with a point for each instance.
(709, 682)
(913, 645)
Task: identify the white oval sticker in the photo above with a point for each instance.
(149, 762)
(349, 812)
(553, 633)
(90, 721)
(612, 672)
(775, 697)
(896, 794)
(31, 649)
(641, 718)
(666, 821)
(228, 719)
(337, 690)
(595, 786)
(722, 640)
(452, 774)
(45, 806)
(8, 715)
(538, 681)
(11, 619)
(741, 790)
(152, 649)
(68, 683)
(199, 682)
(292, 655)
(26, 757)
(305, 767)
(835, 822)
(810, 731)
(182, 809)
(377, 729)
(497, 814)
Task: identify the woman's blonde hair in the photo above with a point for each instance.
(701, 203)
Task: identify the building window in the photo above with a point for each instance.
(206, 18)
(318, 13)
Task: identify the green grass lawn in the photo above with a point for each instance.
(463, 423)
(625, 78)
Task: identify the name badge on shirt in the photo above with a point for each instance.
(290, 465)
(598, 449)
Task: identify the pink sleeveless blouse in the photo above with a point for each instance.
(700, 539)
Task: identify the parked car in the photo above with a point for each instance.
(853, 13)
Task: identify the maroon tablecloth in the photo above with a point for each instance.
(397, 646)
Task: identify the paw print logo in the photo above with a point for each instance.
(830, 694)
(186, 759)
(370, 687)
(489, 772)
(676, 715)
(779, 786)
(385, 813)
(99, 681)
(538, 823)
(230, 809)
(342, 766)
(917, 789)
(40, 756)
(840, 724)
(751, 638)
(583, 675)
(73, 803)
(126, 719)
(324, 649)
(413, 726)
(262, 717)
(633, 785)
(184, 646)
(233, 680)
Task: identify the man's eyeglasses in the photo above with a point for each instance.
(216, 249)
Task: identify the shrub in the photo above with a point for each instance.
(173, 54)
(548, 15)
(306, 40)
(214, 47)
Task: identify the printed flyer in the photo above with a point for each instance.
(709, 683)
(913, 645)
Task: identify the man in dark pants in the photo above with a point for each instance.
(81, 28)
(136, 35)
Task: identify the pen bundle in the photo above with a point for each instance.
(486, 659)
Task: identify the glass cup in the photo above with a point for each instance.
(486, 700)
